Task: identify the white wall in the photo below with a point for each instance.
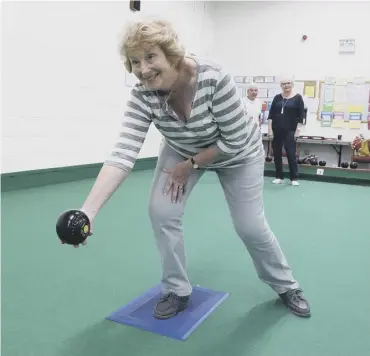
(63, 82)
(264, 38)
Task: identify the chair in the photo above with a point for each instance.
(360, 159)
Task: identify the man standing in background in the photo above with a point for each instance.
(252, 103)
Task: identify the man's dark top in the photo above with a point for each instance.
(293, 112)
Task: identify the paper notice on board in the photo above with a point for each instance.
(341, 81)
(273, 92)
(309, 91)
(356, 95)
(359, 80)
(262, 93)
(326, 116)
(355, 108)
(339, 116)
(337, 123)
(327, 107)
(354, 124)
(340, 94)
(239, 79)
(339, 107)
(329, 94)
(330, 80)
(312, 104)
(325, 123)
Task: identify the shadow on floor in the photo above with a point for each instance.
(107, 337)
(248, 337)
(252, 334)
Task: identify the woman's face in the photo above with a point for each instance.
(150, 65)
(286, 85)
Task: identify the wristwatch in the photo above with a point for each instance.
(195, 165)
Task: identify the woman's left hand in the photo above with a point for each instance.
(179, 176)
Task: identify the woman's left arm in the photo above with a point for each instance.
(228, 111)
(301, 114)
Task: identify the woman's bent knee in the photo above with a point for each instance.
(164, 214)
(255, 231)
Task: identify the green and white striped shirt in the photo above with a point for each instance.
(218, 117)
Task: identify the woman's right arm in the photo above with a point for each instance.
(107, 182)
(135, 126)
(269, 126)
(271, 115)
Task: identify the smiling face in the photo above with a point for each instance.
(150, 65)
(286, 85)
(153, 52)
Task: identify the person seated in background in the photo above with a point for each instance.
(361, 146)
(195, 105)
(286, 114)
(253, 104)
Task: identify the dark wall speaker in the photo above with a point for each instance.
(135, 5)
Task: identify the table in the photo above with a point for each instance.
(336, 144)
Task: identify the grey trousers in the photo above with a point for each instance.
(242, 187)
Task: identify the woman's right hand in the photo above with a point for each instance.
(90, 233)
(108, 180)
(270, 135)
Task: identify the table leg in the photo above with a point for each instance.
(339, 154)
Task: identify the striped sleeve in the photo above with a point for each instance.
(228, 110)
(134, 128)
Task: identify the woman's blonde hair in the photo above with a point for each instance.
(154, 33)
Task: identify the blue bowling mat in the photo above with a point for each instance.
(139, 313)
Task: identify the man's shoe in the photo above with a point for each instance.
(170, 305)
(295, 301)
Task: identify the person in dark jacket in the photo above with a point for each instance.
(285, 117)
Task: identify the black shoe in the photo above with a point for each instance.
(295, 301)
(170, 305)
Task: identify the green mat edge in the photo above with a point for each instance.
(41, 177)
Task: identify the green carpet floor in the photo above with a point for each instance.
(55, 297)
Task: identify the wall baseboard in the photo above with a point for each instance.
(329, 174)
(41, 177)
(37, 178)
